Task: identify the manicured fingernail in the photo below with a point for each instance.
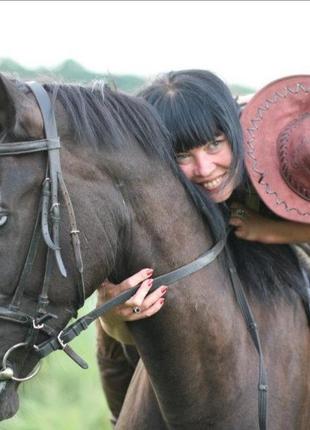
(150, 282)
(162, 301)
(149, 272)
(164, 290)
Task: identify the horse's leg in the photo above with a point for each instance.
(116, 364)
(140, 410)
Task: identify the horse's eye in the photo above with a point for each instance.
(3, 219)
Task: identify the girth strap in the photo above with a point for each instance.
(68, 334)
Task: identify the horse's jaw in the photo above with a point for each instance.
(9, 401)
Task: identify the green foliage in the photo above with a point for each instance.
(240, 90)
(71, 71)
(63, 396)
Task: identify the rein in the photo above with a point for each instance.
(49, 213)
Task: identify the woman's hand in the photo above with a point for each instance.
(250, 225)
(139, 306)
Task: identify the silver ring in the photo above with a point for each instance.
(136, 310)
(241, 213)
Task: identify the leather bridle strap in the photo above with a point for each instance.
(56, 179)
(253, 330)
(68, 334)
(28, 147)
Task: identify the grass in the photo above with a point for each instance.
(63, 396)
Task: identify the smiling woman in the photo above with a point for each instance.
(208, 166)
(202, 118)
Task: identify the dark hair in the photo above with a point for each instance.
(195, 105)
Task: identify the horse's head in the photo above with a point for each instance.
(41, 285)
(20, 178)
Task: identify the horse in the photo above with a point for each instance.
(134, 209)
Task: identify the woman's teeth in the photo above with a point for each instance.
(211, 185)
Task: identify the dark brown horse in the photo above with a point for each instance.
(200, 368)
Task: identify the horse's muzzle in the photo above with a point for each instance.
(9, 401)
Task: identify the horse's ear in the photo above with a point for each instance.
(19, 113)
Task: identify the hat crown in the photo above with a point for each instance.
(293, 145)
(276, 125)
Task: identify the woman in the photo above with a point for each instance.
(202, 118)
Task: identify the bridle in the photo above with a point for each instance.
(49, 214)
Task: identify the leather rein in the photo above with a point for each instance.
(47, 225)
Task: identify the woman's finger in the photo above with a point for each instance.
(154, 296)
(236, 221)
(136, 279)
(138, 298)
(144, 313)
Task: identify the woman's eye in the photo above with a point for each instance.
(3, 219)
(182, 157)
(215, 144)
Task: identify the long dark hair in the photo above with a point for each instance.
(195, 105)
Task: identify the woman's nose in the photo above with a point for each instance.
(204, 166)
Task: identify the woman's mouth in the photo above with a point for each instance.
(215, 183)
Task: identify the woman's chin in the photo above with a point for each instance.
(217, 195)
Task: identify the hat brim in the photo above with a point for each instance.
(262, 120)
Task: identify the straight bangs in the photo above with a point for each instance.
(194, 122)
(189, 124)
(196, 106)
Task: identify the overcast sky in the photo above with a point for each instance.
(245, 42)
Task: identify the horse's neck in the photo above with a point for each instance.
(192, 327)
(163, 230)
(166, 229)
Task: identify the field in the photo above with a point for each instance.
(63, 396)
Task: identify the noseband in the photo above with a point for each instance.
(49, 214)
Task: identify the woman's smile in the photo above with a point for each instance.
(214, 183)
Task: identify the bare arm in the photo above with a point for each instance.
(114, 322)
(254, 227)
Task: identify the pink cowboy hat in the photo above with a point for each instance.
(276, 128)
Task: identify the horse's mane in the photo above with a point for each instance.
(100, 117)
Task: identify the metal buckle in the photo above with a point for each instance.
(75, 232)
(37, 326)
(61, 343)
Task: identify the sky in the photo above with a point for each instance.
(250, 43)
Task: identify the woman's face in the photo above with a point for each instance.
(208, 166)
